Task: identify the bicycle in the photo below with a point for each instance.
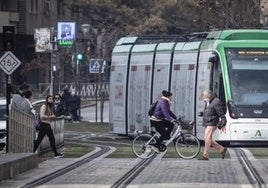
(186, 145)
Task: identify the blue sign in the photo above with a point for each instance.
(96, 65)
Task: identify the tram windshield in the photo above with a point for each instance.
(248, 73)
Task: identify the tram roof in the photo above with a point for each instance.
(187, 41)
(154, 39)
(239, 34)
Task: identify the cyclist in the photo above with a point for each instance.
(162, 119)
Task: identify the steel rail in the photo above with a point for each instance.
(53, 175)
(127, 178)
(251, 173)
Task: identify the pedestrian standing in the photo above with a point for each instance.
(47, 116)
(74, 104)
(213, 117)
(59, 107)
(26, 104)
(18, 98)
(65, 98)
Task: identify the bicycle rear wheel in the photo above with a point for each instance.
(141, 146)
(187, 146)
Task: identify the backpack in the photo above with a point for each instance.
(37, 121)
(152, 108)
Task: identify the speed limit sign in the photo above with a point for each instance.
(9, 62)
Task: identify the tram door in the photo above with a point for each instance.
(217, 86)
(161, 72)
(204, 75)
(138, 89)
(209, 77)
(118, 82)
(183, 79)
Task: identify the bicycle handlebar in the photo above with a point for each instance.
(181, 122)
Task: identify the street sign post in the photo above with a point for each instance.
(96, 66)
(8, 63)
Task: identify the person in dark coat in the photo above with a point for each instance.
(163, 118)
(74, 104)
(65, 99)
(213, 117)
(59, 106)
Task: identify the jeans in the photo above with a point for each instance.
(45, 129)
(164, 128)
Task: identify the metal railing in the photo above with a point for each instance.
(86, 90)
(21, 134)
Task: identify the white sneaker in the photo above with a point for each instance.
(58, 155)
(156, 150)
(148, 150)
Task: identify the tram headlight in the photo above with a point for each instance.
(232, 109)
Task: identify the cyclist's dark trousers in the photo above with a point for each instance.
(164, 128)
(45, 129)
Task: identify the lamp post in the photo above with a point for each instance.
(86, 30)
(53, 61)
(81, 52)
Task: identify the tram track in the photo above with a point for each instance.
(132, 173)
(121, 182)
(103, 150)
(251, 172)
(247, 166)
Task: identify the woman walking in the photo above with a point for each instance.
(47, 116)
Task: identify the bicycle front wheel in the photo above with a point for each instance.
(141, 146)
(187, 146)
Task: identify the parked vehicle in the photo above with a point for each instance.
(2, 124)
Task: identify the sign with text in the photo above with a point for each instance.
(9, 63)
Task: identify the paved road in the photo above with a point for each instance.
(89, 113)
(160, 173)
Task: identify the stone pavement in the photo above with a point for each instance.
(161, 172)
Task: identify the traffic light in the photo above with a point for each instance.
(8, 38)
(54, 57)
(79, 56)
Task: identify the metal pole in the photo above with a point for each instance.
(8, 91)
(51, 75)
(77, 67)
(96, 95)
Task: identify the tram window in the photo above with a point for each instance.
(217, 80)
(248, 76)
(255, 64)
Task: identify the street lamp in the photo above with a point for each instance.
(85, 29)
(82, 49)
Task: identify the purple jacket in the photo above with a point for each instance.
(162, 110)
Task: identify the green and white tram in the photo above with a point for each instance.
(232, 63)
